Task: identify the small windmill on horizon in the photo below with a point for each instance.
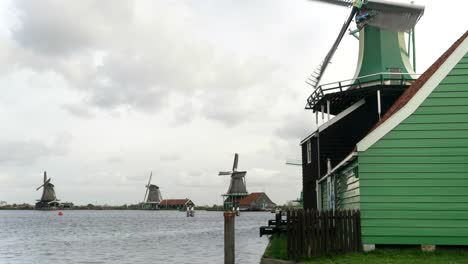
(48, 199)
(237, 186)
(152, 197)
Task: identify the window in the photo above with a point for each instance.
(309, 152)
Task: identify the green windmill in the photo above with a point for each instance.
(384, 54)
(349, 109)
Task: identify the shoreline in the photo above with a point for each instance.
(113, 209)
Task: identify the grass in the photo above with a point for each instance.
(401, 255)
(277, 247)
(397, 256)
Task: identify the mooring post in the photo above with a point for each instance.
(229, 239)
(278, 219)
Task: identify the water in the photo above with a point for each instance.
(126, 237)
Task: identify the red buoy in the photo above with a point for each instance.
(60, 213)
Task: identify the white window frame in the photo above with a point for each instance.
(309, 152)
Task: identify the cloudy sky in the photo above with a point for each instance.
(99, 93)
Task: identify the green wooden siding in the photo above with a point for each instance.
(347, 187)
(414, 181)
(323, 195)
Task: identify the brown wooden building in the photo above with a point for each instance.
(256, 202)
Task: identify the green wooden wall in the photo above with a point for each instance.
(347, 187)
(324, 195)
(414, 181)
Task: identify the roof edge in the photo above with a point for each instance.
(335, 119)
(395, 118)
(344, 162)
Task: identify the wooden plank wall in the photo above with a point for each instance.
(347, 187)
(414, 181)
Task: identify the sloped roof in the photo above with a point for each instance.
(411, 99)
(174, 201)
(419, 83)
(248, 200)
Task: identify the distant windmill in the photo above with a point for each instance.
(153, 196)
(237, 187)
(48, 199)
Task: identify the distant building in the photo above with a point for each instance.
(66, 205)
(176, 203)
(258, 201)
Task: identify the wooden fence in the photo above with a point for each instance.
(314, 233)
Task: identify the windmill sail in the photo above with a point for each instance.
(147, 186)
(315, 78)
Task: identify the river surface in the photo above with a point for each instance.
(43, 237)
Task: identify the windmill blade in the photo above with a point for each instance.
(151, 176)
(148, 185)
(323, 66)
(47, 181)
(146, 193)
(223, 173)
(293, 162)
(236, 160)
(245, 182)
(45, 176)
(345, 3)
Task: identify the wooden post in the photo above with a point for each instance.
(278, 219)
(229, 237)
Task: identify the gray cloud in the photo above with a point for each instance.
(79, 110)
(184, 113)
(296, 127)
(27, 152)
(227, 108)
(121, 60)
(60, 28)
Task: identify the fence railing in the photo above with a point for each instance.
(314, 233)
(383, 78)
